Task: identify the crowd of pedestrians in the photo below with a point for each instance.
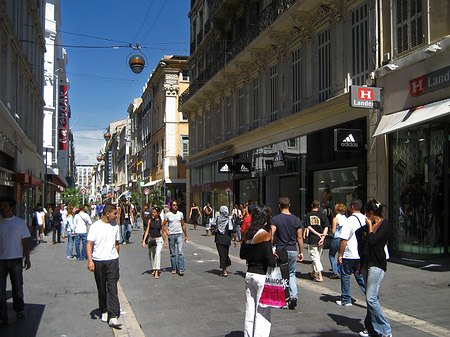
(358, 236)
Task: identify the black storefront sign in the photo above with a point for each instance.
(238, 167)
(348, 140)
(225, 166)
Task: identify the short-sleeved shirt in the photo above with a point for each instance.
(174, 222)
(104, 236)
(12, 231)
(350, 226)
(286, 234)
(318, 221)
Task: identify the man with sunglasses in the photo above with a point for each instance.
(174, 227)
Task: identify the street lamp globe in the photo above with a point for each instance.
(136, 63)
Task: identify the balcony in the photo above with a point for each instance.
(267, 17)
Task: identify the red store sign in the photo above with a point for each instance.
(63, 117)
(430, 82)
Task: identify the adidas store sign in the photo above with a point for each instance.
(347, 139)
(225, 167)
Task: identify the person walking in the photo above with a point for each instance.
(256, 249)
(156, 239)
(348, 256)
(103, 259)
(174, 227)
(40, 224)
(80, 222)
(317, 225)
(57, 224)
(237, 220)
(194, 214)
(146, 216)
(224, 229)
(336, 226)
(207, 216)
(125, 219)
(286, 236)
(373, 239)
(69, 225)
(14, 247)
(99, 209)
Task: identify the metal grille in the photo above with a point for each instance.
(360, 48)
(229, 117)
(273, 92)
(409, 24)
(208, 127)
(296, 80)
(324, 65)
(255, 98)
(218, 121)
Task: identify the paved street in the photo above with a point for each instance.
(61, 297)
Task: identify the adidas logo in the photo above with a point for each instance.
(225, 168)
(349, 141)
(244, 169)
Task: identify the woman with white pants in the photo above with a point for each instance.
(256, 248)
(156, 241)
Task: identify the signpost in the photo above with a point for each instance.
(146, 192)
(83, 191)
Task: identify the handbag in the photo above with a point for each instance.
(151, 243)
(273, 292)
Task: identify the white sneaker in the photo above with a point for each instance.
(343, 304)
(105, 317)
(114, 322)
(364, 333)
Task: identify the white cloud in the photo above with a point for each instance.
(87, 144)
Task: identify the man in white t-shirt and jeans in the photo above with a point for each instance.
(174, 227)
(103, 259)
(348, 252)
(14, 247)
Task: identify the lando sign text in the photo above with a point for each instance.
(365, 97)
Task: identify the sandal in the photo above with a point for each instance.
(310, 276)
(318, 280)
(156, 274)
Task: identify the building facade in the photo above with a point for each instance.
(22, 48)
(269, 100)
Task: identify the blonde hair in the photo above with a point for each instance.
(340, 209)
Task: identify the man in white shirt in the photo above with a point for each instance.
(14, 236)
(103, 259)
(80, 223)
(174, 227)
(348, 252)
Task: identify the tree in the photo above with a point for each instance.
(72, 195)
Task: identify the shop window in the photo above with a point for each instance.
(337, 186)
(417, 204)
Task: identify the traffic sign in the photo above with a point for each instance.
(83, 191)
(146, 191)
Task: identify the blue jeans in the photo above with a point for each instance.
(292, 264)
(375, 322)
(176, 246)
(13, 267)
(238, 232)
(334, 248)
(126, 232)
(81, 255)
(350, 266)
(69, 244)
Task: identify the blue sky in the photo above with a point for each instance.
(101, 84)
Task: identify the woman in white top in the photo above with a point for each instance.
(338, 221)
(40, 224)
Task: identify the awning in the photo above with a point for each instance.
(209, 158)
(408, 118)
(175, 181)
(151, 183)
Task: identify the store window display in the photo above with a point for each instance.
(418, 190)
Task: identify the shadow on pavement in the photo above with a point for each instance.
(96, 314)
(439, 264)
(354, 324)
(235, 334)
(217, 272)
(23, 327)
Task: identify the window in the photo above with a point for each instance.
(241, 111)
(157, 155)
(273, 92)
(296, 80)
(184, 146)
(208, 127)
(185, 75)
(324, 65)
(219, 128)
(255, 99)
(193, 134)
(409, 24)
(163, 153)
(360, 49)
(229, 117)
